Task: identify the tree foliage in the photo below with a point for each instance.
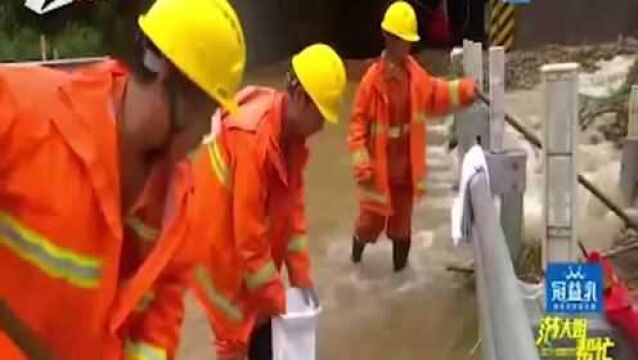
(83, 28)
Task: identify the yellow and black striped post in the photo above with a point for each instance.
(501, 24)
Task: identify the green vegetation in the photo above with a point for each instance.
(82, 29)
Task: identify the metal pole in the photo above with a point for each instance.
(43, 47)
(61, 63)
(506, 332)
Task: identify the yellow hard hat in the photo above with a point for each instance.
(204, 40)
(400, 20)
(322, 74)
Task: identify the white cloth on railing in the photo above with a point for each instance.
(473, 162)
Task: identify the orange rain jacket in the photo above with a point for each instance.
(370, 128)
(71, 273)
(258, 222)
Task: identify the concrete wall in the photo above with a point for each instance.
(275, 29)
(574, 22)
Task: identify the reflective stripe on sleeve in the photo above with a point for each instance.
(262, 276)
(80, 270)
(145, 301)
(298, 243)
(421, 118)
(220, 168)
(454, 91)
(142, 230)
(372, 194)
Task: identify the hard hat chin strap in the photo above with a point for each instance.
(157, 64)
(153, 62)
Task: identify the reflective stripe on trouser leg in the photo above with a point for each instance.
(144, 351)
(360, 156)
(215, 297)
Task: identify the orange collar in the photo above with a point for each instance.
(391, 71)
(92, 133)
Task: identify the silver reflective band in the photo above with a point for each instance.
(77, 269)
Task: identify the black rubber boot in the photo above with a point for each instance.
(400, 252)
(260, 343)
(357, 250)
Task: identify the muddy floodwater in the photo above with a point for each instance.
(369, 312)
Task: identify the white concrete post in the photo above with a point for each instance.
(632, 127)
(472, 123)
(497, 98)
(560, 86)
(629, 159)
(473, 61)
(456, 61)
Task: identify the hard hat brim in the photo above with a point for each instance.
(228, 104)
(406, 37)
(330, 116)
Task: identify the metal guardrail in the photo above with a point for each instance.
(61, 63)
(504, 325)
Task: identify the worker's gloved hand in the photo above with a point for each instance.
(310, 296)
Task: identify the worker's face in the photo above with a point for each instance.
(303, 117)
(396, 47)
(190, 113)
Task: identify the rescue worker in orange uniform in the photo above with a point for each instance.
(95, 182)
(393, 103)
(251, 175)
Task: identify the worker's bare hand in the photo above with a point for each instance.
(310, 296)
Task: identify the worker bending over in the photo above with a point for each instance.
(393, 103)
(251, 176)
(94, 186)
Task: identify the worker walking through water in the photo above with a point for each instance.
(393, 103)
(251, 175)
(94, 185)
